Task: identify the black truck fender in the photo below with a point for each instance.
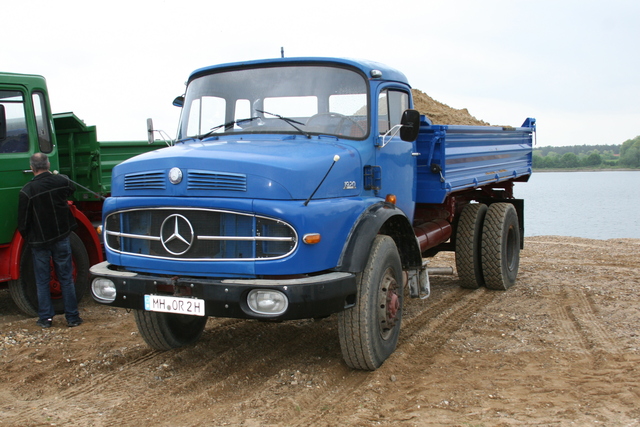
(380, 218)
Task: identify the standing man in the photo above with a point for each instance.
(45, 222)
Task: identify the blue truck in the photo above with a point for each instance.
(299, 188)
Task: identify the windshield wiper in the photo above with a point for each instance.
(226, 126)
(289, 121)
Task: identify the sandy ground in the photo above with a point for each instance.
(560, 348)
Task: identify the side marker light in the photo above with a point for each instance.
(312, 238)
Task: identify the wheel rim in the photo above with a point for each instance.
(389, 304)
(54, 283)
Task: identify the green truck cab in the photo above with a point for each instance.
(27, 126)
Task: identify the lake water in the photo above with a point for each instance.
(594, 205)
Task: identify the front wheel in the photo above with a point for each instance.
(164, 331)
(369, 331)
(500, 246)
(24, 292)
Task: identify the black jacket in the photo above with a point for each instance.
(43, 212)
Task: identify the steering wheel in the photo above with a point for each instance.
(342, 121)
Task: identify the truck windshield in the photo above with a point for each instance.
(299, 99)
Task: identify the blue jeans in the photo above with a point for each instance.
(60, 252)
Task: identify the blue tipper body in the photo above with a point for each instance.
(454, 158)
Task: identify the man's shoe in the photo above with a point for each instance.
(74, 323)
(44, 323)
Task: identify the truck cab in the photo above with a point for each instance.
(255, 145)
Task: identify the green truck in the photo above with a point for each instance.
(27, 126)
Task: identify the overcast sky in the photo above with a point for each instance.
(573, 65)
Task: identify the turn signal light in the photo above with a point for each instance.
(391, 198)
(311, 238)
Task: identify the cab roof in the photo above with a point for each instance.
(364, 66)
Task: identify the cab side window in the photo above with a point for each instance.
(16, 138)
(391, 104)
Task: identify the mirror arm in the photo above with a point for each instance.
(386, 138)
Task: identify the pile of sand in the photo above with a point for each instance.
(442, 114)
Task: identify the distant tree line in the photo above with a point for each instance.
(626, 155)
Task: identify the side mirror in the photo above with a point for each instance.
(179, 101)
(410, 125)
(3, 123)
(150, 131)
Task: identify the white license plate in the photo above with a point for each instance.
(164, 304)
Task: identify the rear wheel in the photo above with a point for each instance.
(369, 331)
(468, 246)
(24, 291)
(164, 331)
(500, 246)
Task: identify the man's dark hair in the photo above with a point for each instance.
(40, 162)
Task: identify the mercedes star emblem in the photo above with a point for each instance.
(176, 234)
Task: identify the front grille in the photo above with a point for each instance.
(198, 235)
(196, 180)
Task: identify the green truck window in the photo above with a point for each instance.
(16, 139)
(42, 124)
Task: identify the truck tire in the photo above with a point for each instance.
(500, 246)
(164, 331)
(24, 293)
(468, 246)
(369, 331)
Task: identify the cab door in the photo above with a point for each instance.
(393, 155)
(17, 144)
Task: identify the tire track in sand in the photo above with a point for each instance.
(432, 326)
(109, 385)
(437, 322)
(78, 396)
(583, 331)
(230, 365)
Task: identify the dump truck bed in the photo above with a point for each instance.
(88, 161)
(457, 158)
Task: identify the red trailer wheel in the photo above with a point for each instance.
(23, 290)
